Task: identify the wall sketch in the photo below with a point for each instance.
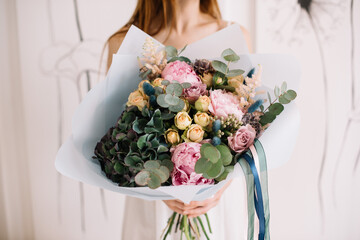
(322, 19)
(78, 63)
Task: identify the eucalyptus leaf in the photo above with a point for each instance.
(168, 164)
(290, 95)
(276, 108)
(174, 89)
(183, 49)
(119, 168)
(225, 154)
(269, 97)
(230, 55)
(142, 178)
(165, 82)
(284, 100)
(171, 100)
(171, 51)
(268, 117)
(211, 153)
(151, 164)
(158, 90)
(283, 87)
(202, 165)
(235, 72)
(216, 170)
(161, 101)
(154, 181)
(219, 66)
(179, 107)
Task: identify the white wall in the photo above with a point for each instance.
(53, 62)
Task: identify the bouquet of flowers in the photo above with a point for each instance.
(187, 123)
(181, 133)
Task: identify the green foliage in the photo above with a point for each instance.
(213, 161)
(171, 99)
(153, 174)
(220, 67)
(282, 95)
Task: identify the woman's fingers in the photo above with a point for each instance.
(201, 210)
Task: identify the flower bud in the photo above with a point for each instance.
(207, 79)
(202, 119)
(157, 82)
(141, 89)
(182, 120)
(172, 136)
(187, 106)
(195, 133)
(202, 104)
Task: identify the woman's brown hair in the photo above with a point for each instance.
(163, 13)
(152, 16)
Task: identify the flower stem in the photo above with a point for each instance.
(203, 228)
(186, 227)
(208, 222)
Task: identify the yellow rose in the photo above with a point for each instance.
(202, 104)
(203, 119)
(140, 88)
(172, 136)
(195, 133)
(207, 79)
(182, 120)
(157, 82)
(136, 98)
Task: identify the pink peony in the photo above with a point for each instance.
(242, 139)
(180, 71)
(184, 157)
(194, 92)
(224, 103)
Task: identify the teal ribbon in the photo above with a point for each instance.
(256, 182)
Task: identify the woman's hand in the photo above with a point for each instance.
(196, 208)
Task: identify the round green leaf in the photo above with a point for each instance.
(283, 100)
(174, 89)
(235, 72)
(230, 55)
(216, 170)
(211, 153)
(168, 164)
(171, 100)
(171, 51)
(177, 108)
(165, 173)
(223, 176)
(268, 117)
(154, 181)
(225, 153)
(276, 108)
(290, 95)
(165, 82)
(151, 164)
(202, 165)
(161, 101)
(142, 178)
(219, 66)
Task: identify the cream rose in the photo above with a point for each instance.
(202, 104)
(203, 119)
(195, 133)
(172, 136)
(182, 120)
(136, 98)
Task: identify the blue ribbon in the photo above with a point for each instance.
(258, 198)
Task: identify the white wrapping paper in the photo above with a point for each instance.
(104, 103)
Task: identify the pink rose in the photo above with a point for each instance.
(242, 139)
(180, 71)
(184, 157)
(194, 92)
(223, 103)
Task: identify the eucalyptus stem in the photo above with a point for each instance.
(270, 104)
(227, 68)
(196, 228)
(208, 222)
(203, 228)
(178, 222)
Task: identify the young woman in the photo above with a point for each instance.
(176, 23)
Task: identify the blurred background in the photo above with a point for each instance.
(50, 57)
